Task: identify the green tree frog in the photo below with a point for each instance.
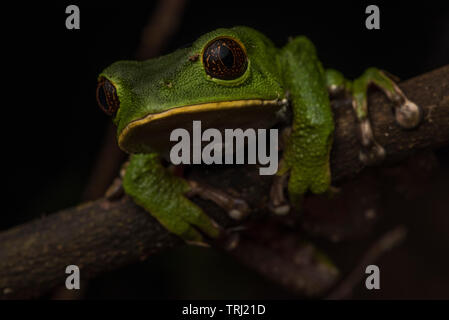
(233, 78)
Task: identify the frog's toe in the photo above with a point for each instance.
(278, 203)
(239, 209)
(408, 115)
(236, 208)
(371, 151)
(115, 190)
(280, 209)
(372, 154)
(192, 235)
(198, 227)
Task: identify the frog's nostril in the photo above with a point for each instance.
(107, 96)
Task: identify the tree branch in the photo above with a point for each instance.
(102, 235)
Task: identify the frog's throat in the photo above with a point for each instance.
(198, 108)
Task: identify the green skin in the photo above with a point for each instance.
(179, 79)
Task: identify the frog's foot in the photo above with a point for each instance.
(163, 195)
(371, 151)
(297, 181)
(407, 114)
(236, 208)
(116, 190)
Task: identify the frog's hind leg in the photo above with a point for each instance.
(235, 207)
(407, 114)
(163, 195)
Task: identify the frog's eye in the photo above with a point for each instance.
(107, 96)
(225, 58)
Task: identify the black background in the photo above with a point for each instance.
(52, 127)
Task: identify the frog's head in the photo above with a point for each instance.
(228, 78)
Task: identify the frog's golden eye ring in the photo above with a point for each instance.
(225, 59)
(107, 96)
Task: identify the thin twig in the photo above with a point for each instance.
(384, 244)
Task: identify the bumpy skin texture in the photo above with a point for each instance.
(174, 80)
(179, 79)
(155, 188)
(308, 149)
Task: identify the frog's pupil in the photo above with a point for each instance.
(107, 96)
(225, 59)
(226, 56)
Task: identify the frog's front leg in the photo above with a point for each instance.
(162, 194)
(307, 152)
(407, 113)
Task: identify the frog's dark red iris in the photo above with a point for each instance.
(107, 96)
(224, 58)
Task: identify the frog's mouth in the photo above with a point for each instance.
(152, 132)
